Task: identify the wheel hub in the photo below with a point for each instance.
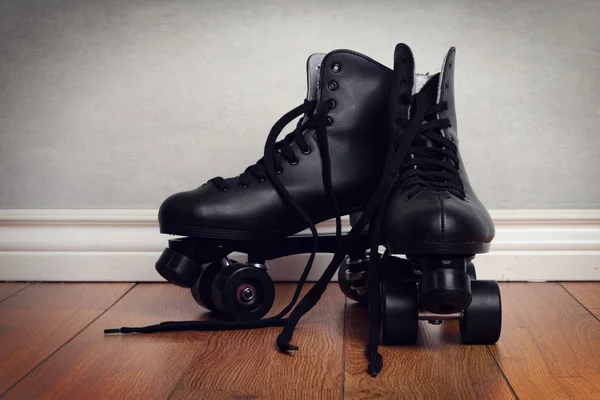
(246, 293)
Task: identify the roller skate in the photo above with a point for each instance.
(327, 167)
(433, 216)
(424, 208)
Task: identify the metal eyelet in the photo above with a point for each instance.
(279, 171)
(404, 62)
(329, 121)
(333, 85)
(336, 67)
(403, 81)
(450, 65)
(331, 104)
(447, 85)
(242, 185)
(294, 162)
(262, 179)
(316, 136)
(307, 152)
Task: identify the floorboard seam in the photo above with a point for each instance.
(184, 373)
(578, 302)
(15, 293)
(342, 394)
(502, 372)
(66, 342)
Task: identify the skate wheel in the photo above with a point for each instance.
(395, 269)
(445, 290)
(482, 319)
(344, 283)
(242, 292)
(400, 313)
(202, 290)
(178, 268)
(471, 271)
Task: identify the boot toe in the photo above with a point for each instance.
(436, 218)
(181, 209)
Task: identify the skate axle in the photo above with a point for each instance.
(225, 262)
(429, 316)
(356, 262)
(355, 276)
(457, 262)
(258, 265)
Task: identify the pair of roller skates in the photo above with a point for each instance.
(377, 144)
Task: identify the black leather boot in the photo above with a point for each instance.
(327, 167)
(432, 213)
(433, 209)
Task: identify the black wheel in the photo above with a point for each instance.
(242, 292)
(400, 313)
(345, 283)
(395, 269)
(178, 268)
(202, 290)
(482, 320)
(471, 271)
(444, 290)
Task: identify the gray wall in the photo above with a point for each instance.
(117, 104)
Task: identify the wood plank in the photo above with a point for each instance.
(98, 366)
(438, 367)
(7, 289)
(36, 321)
(246, 364)
(587, 293)
(270, 393)
(550, 345)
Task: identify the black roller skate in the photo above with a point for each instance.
(433, 216)
(327, 167)
(424, 208)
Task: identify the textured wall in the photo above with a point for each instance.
(117, 104)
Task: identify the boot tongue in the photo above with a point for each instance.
(429, 85)
(420, 81)
(313, 66)
(313, 69)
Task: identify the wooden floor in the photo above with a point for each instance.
(52, 347)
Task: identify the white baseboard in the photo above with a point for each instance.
(123, 245)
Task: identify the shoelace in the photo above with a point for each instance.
(283, 148)
(433, 166)
(372, 215)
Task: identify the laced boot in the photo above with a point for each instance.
(328, 166)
